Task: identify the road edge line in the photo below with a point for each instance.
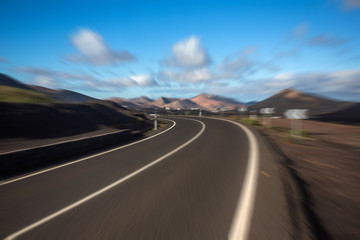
(240, 226)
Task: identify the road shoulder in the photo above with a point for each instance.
(276, 215)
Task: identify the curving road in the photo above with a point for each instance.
(184, 183)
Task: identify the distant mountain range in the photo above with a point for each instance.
(202, 101)
(214, 102)
(286, 99)
(318, 106)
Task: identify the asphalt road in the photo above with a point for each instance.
(190, 192)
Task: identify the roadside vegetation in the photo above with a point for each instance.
(17, 95)
(251, 122)
(290, 135)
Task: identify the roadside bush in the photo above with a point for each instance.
(279, 128)
(252, 122)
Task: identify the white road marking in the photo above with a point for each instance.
(93, 195)
(85, 158)
(241, 223)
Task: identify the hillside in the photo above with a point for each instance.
(22, 95)
(349, 114)
(143, 101)
(212, 102)
(35, 121)
(63, 95)
(181, 104)
(161, 101)
(293, 99)
(24, 115)
(203, 101)
(5, 80)
(33, 93)
(125, 102)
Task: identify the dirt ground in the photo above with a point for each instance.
(327, 163)
(330, 132)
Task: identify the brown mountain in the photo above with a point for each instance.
(212, 102)
(125, 102)
(293, 99)
(161, 101)
(203, 101)
(143, 100)
(181, 104)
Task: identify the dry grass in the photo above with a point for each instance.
(17, 95)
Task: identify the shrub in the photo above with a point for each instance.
(252, 122)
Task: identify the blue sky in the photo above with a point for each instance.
(247, 49)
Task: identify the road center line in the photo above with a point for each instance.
(93, 195)
(85, 158)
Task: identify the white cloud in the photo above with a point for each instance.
(143, 80)
(3, 60)
(327, 40)
(140, 80)
(55, 74)
(188, 53)
(339, 83)
(198, 75)
(290, 53)
(236, 66)
(351, 4)
(284, 76)
(50, 78)
(345, 81)
(94, 50)
(299, 31)
(44, 81)
(293, 43)
(232, 68)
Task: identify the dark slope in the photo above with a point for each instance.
(63, 95)
(6, 80)
(293, 99)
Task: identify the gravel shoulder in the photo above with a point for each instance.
(326, 165)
